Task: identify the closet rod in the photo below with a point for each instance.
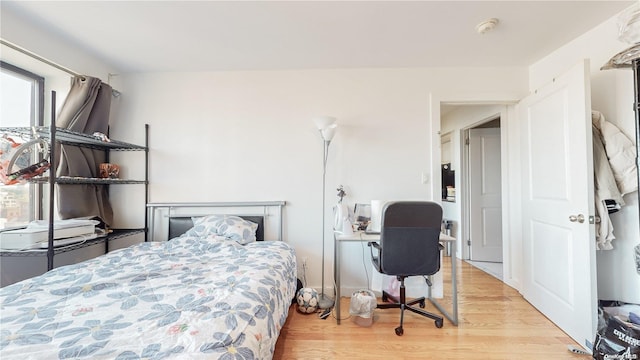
(115, 93)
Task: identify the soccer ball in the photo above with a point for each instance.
(307, 300)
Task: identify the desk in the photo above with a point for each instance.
(362, 237)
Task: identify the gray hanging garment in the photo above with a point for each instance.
(86, 110)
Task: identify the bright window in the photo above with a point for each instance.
(21, 105)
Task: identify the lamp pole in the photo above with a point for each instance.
(324, 302)
(327, 130)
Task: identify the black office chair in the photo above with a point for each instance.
(409, 246)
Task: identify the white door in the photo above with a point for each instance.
(559, 276)
(485, 198)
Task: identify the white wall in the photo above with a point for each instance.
(611, 94)
(24, 33)
(239, 136)
(248, 135)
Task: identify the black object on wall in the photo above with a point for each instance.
(448, 179)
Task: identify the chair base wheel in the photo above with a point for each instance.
(400, 331)
(422, 304)
(439, 323)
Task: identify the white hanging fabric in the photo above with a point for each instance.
(615, 174)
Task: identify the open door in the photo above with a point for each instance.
(559, 260)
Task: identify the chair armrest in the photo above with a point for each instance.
(375, 257)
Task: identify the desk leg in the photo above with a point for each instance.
(454, 282)
(454, 289)
(336, 275)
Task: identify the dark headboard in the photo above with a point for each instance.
(179, 225)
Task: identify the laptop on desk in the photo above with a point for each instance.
(372, 229)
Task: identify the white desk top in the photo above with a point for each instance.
(362, 236)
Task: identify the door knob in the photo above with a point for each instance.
(579, 218)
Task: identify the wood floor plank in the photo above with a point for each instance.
(495, 323)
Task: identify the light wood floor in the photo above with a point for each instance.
(495, 323)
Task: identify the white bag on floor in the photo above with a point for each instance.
(363, 302)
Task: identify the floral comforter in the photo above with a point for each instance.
(186, 298)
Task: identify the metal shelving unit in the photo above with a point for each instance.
(80, 180)
(116, 234)
(66, 137)
(56, 135)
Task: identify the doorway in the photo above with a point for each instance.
(472, 143)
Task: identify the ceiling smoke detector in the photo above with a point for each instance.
(487, 25)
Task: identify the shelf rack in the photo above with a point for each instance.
(62, 136)
(114, 235)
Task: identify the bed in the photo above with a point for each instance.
(204, 293)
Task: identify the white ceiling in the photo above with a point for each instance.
(150, 36)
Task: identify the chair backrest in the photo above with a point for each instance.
(409, 238)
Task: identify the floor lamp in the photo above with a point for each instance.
(327, 127)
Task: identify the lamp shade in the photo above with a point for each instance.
(323, 122)
(329, 132)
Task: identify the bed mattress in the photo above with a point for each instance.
(186, 298)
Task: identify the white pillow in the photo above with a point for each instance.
(229, 226)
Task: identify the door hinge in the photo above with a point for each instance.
(469, 242)
(466, 141)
